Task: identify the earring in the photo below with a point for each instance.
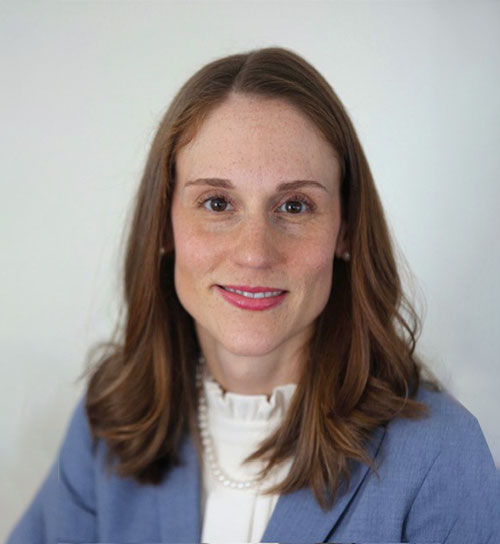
(162, 251)
(346, 256)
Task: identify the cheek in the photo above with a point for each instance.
(317, 256)
(195, 255)
(315, 270)
(190, 262)
(189, 268)
(189, 250)
(320, 271)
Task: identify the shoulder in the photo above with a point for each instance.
(77, 458)
(444, 409)
(78, 432)
(448, 433)
(447, 426)
(77, 447)
(64, 509)
(442, 466)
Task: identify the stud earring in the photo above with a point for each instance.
(346, 256)
(162, 251)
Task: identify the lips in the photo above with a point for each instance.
(252, 298)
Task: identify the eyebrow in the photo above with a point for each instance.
(285, 186)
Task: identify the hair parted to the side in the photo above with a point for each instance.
(360, 370)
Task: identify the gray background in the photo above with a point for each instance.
(83, 87)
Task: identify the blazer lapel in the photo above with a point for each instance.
(298, 517)
(179, 498)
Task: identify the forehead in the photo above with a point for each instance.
(261, 137)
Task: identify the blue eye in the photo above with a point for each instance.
(293, 207)
(216, 204)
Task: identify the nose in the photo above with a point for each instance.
(256, 244)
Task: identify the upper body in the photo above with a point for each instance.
(259, 245)
(435, 482)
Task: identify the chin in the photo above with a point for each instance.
(250, 345)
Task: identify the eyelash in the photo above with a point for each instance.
(206, 199)
(310, 207)
(203, 202)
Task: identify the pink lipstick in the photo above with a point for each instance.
(252, 298)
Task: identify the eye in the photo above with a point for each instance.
(294, 206)
(216, 204)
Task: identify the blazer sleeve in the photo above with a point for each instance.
(64, 508)
(460, 494)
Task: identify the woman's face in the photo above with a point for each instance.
(256, 218)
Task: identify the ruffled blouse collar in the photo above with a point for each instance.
(247, 408)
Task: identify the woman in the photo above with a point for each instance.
(264, 321)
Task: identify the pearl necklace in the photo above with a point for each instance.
(218, 473)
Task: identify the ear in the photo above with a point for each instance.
(342, 246)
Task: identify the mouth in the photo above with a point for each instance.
(252, 298)
(253, 292)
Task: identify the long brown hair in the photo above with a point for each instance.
(360, 370)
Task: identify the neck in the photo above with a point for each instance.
(251, 374)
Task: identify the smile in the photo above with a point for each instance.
(258, 294)
(252, 298)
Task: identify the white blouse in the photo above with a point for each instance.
(237, 424)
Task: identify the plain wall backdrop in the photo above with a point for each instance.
(84, 85)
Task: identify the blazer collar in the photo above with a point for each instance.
(179, 498)
(298, 517)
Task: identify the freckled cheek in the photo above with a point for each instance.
(314, 266)
(194, 253)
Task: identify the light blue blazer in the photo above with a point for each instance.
(436, 483)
